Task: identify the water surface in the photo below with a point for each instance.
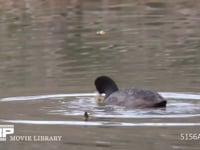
(50, 55)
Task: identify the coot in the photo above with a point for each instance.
(130, 98)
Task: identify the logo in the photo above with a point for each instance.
(5, 130)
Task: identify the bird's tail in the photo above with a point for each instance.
(161, 104)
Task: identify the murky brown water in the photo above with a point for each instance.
(50, 54)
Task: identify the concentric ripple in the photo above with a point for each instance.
(180, 106)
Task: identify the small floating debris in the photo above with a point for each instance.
(102, 143)
(86, 116)
(101, 32)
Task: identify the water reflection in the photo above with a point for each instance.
(55, 44)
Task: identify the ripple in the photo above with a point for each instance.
(168, 95)
(39, 97)
(180, 105)
(101, 123)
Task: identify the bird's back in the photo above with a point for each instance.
(136, 98)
